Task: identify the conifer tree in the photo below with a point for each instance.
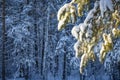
(100, 25)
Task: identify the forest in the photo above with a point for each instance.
(35, 45)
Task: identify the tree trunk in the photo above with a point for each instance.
(42, 41)
(64, 65)
(57, 64)
(27, 73)
(3, 40)
(45, 67)
(42, 50)
(36, 35)
(27, 1)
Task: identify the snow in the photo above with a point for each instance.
(62, 10)
(17, 79)
(28, 30)
(61, 24)
(77, 48)
(75, 31)
(104, 4)
(83, 27)
(96, 5)
(74, 76)
(89, 33)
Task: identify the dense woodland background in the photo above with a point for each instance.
(31, 47)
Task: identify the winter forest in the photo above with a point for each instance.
(59, 39)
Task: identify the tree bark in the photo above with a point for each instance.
(3, 40)
(46, 47)
(42, 49)
(64, 65)
(36, 35)
(57, 64)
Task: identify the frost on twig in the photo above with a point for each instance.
(92, 12)
(83, 62)
(78, 50)
(116, 32)
(104, 4)
(106, 46)
(66, 14)
(75, 31)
